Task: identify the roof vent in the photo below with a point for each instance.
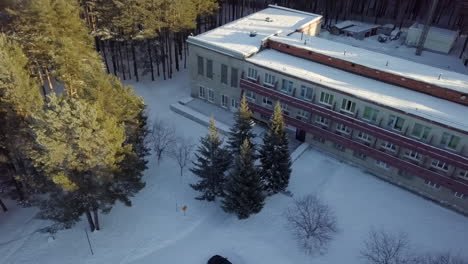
(253, 33)
(268, 19)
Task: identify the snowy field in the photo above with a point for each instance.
(153, 231)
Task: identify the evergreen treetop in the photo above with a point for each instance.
(242, 128)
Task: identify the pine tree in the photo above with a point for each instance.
(275, 168)
(212, 162)
(242, 128)
(243, 192)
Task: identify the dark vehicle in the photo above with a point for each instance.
(216, 259)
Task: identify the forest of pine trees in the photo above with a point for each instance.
(72, 136)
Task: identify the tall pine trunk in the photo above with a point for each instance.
(104, 54)
(135, 66)
(96, 218)
(148, 43)
(122, 65)
(156, 48)
(163, 56)
(114, 64)
(127, 56)
(92, 227)
(49, 80)
(4, 208)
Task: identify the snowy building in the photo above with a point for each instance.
(438, 39)
(403, 121)
(355, 29)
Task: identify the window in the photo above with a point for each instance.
(359, 155)
(306, 93)
(201, 92)
(210, 95)
(209, 69)
(302, 115)
(287, 86)
(420, 131)
(224, 101)
(370, 114)
(224, 73)
(413, 155)
(343, 129)
(326, 98)
(339, 147)
(382, 165)
(285, 108)
(234, 76)
(234, 103)
(200, 65)
(459, 195)
(269, 79)
(267, 102)
(439, 165)
(250, 96)
(388, 146)
(252, 74)
(396, 123)
(348, 106)
(318, 138)
(449, 141)
(365, 137)
(321, 120)
(432, 184)
(463, 174)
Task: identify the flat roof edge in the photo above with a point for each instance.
(294, 10)
(208, 45)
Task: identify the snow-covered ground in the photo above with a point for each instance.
(153, 231)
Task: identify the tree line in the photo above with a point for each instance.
(72, 136)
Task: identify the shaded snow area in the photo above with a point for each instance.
(152, 231)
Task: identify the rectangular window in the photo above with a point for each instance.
(287, 86)
(321, 120)
(201, 92)
(348, 106)
(439, 165)
(318, 138)
(211, 95)
(252, 74)
(224, 101)
(382, 165)
(267, 102)
(396, 123)
(413, 155)
(339, 147)
(224, 73)
(326, 98)
(463, 174)
(234, 77)
(364, 137)
(432, 184)
(420, 131)
(250, 96)
(370, 114)
(286, 109)
(343, 129)
(302, 115)
(306, 93)
(200, 65)
(359, 155)
(209, 69)
(388, 146)
(269, 80)
(459, 195)
(449, 141)
(234, 104)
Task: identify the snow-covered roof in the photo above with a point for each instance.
(382, 62)
(355, 26)
(435, 30)
(344, 24)
(409, 101)
(235, 38)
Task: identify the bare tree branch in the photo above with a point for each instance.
(182, 153)
(312, 222)
(163, 137)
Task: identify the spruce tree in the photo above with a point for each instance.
(275, 168)
(244, 192)
(242, 128)
(212, 162)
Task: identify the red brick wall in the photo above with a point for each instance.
(419, 86)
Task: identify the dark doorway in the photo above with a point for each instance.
(300, 135)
